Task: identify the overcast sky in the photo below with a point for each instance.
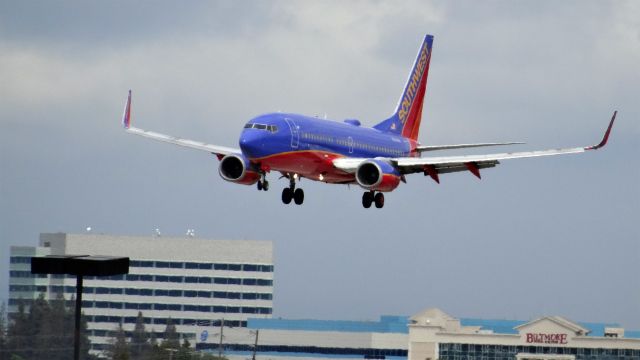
(551, 236)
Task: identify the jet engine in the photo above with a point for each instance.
(377, 175)
(238, 169)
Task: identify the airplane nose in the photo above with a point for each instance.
(251, 143)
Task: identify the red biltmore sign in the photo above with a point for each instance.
(546, 338)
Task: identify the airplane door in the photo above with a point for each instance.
(295, 135)
(350, 140)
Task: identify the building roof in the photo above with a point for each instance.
(386, 324)
(565, 323)
(399, 324)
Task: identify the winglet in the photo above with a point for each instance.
(126, 117)
(606, 134)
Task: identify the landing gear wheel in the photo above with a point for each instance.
(367, 199)
(287, 195)
(265, 185)
(259, 185)
(298, 196)
(379, 199)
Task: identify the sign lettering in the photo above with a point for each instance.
(546, 338)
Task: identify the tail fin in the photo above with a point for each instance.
(408, 115)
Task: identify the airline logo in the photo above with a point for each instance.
(414, 83)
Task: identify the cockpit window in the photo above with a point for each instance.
(271, 128)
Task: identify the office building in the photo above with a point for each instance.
(195, 282)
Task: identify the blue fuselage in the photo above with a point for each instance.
(303, 145)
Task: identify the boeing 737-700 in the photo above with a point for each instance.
(377, 158)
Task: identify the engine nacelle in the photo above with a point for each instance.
(377, 175)
(238, 169)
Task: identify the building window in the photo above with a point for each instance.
(221, 267)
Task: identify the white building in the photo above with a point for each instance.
(285, 339)
(198, 283)
(428, 335)
(195, 282)
(435, 335)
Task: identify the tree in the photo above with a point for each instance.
(155, 353)
(45, 332)
(171, 337)
(18, 333)
(140, 345)
(3, 332)
(119, 349)
(185, 351)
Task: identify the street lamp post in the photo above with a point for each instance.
(79, 265)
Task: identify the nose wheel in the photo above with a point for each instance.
(291, 193)
(263, 184)
(371, 197)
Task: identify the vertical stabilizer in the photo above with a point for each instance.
(408, 114)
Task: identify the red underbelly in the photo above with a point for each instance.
(315, 165)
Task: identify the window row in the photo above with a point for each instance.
(163, 321)
(499, 352)
(26, 275)
(30, 288)
(163, 292)
(20, 260)
(368, 353)
(157, 278)
(86, 304)
(175, 265)
(112, 333)
(201, 266)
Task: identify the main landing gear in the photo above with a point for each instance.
(369, 197)
(291, 192)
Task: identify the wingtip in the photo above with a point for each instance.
(605, 138)
(126, 117)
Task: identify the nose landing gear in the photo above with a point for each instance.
(369, 197)
(291, 192)
(263, 184)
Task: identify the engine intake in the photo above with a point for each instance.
(377, 175)
(237, 169)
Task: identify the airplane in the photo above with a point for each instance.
(376, 158)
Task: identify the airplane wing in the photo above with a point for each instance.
(220, 151)
(433, 166)
(423, 148)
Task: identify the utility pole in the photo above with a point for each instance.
(255, 346)
(220, 345)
